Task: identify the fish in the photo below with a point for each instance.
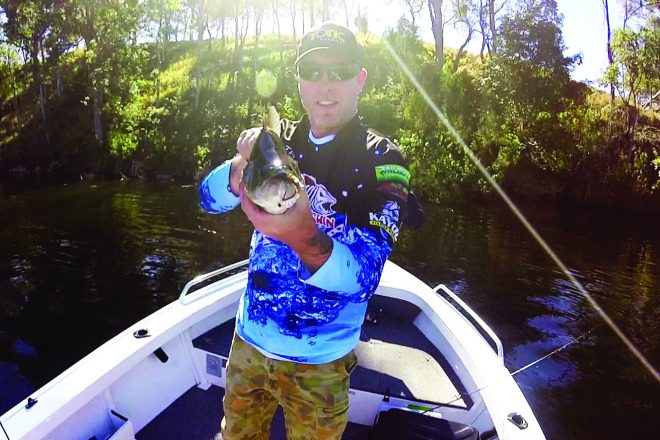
(272, 178)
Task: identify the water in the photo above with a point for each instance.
(80, 263)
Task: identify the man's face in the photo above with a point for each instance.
(329, 100)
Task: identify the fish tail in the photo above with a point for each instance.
(272, 119)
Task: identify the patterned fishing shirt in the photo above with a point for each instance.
(357, 184)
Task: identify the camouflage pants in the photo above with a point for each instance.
(314, 397)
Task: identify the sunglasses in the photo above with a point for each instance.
(336, 72)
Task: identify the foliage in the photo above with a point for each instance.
(164, 87)
(636, 67)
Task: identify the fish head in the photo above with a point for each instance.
(272, 178)
(276, 194)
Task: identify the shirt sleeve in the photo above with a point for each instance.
(360, 252)
(215, 192)
(341, 261)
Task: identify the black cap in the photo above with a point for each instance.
(331, 37)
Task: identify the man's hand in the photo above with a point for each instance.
(244, 145)
(296, 228)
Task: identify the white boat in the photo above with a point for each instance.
(427, 363)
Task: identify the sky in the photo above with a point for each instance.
(583, 29)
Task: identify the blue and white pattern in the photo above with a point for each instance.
(287, 312)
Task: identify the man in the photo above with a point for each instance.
(313, 268)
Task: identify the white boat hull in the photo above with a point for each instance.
(123, 379)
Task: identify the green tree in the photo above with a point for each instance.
(28, 23)
(527, 84)
(635, 71)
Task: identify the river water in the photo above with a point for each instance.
(81, 262)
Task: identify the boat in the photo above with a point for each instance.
(429, 368)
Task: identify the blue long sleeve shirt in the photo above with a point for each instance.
(357, 185)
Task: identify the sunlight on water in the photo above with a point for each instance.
(519, 214)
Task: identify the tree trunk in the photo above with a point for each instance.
(14, 87)
(493, 29)
(277, 23)
(201, 26)
(311, 16)
(484, 32)
(279, 38)
(258, 20)
(461, 50)
(59, 87)
(610, 57)
(325, 11)
(43, 101)
(292, 10)
(244, 29)
(347, 13)
(97, 104)
(435, 12)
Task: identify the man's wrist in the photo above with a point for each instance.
(238, 164)
(314, 250)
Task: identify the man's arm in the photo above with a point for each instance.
(219, 190)
(238, 164)
(296, 228)
(244, 144)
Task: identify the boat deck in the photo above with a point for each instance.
(196, 416)
(395, 359)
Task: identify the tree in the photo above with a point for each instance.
(526, 83)
(8, 70)
(638, 10)
(293, 10)
(533, 33)
(349, 7)
(28, 23)
(488, 12)
(610, 58)
(438, 28)
(414, 9)
(106, 28)
(635, 69)
(465, 15)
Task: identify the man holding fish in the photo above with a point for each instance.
(316, 255)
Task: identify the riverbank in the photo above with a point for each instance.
(174, 111)
(617, 202)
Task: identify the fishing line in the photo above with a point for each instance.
(519, 214)
(3, 430)
(552, 353)
(519, 370)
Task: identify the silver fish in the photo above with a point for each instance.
(272, 178)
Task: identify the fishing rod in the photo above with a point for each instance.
(520, 215)
(519, 370)
(552, 353)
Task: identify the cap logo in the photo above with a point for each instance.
(329, 34)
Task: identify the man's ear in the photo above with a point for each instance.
(362, 77)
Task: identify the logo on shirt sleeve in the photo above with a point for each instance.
(393, 173)
(387, 220)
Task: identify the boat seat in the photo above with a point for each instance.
(401, 371)
(218, 339)
(396, 424)
(394, 357)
